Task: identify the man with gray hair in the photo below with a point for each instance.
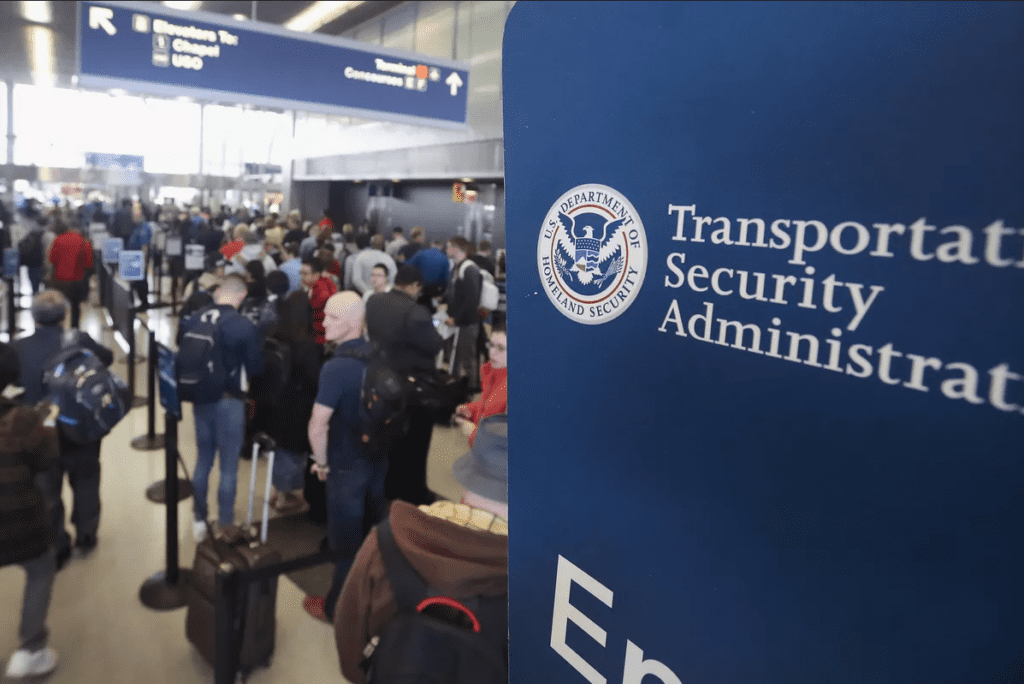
(81, 462)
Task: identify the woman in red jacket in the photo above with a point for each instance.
(494, 385)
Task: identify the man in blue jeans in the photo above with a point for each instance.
(355, 481)
(220, 425)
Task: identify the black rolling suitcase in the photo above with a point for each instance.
(244, 548)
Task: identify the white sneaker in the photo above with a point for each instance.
(199, 531)
(29, 663)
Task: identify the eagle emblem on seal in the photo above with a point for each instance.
(588, 251)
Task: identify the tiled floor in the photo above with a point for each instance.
(102, 631)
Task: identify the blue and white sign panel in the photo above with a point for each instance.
(767, 342)
(12, 262)
(132, 264)
(153, 49)
(112, 249)
(123, 162)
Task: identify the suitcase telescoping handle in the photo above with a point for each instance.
(268, 444)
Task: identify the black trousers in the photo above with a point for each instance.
(81, 463)
(407, 472)
(76, 292)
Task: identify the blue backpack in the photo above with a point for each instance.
(91, 399)
(199, 366)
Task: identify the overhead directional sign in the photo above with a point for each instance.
(202, 55)
(125, 162)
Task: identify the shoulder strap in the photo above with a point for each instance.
(409, 587)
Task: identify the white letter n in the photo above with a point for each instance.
(564, 611)
(637, 668)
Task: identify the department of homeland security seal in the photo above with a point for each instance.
(592, 254)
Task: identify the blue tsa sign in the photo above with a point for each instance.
(775, 293)
(111, 249)
(132, 265)
(12, 262)
(149, 48)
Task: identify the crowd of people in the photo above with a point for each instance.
(300, 309)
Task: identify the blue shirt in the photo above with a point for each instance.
(341, 380)
(292, 268)
(433, 264)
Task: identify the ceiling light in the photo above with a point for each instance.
(240, 17)
(183, 6)
(37, 12)
(467, 180)
(43, 54)
(320, 13)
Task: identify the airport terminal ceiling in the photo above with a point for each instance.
(214, 142)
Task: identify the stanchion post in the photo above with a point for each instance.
(12, 313)
(151, 440)
(152, 383)
(167, 589)
(225, 666)
(171, 479)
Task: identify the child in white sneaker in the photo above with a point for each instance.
(27, 447)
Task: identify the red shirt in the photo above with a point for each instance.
(318, 296)
(494, 397)
(70, 255)
(232, 248)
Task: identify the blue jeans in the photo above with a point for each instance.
(220, 426)
(352, 491)
(40, 573)
(289, 470)
(35, 277)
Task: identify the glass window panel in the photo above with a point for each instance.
(3, 122)
(177, 153)
(233, 137)
(47, 136)
(435, 29)
(400, 27)
(44, 133)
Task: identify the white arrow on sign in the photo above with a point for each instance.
(455, 82)
(99, 17)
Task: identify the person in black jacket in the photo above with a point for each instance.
(123, 222)
(81, 462)
(404, 331)
(27, 449)
(285, 418)
(463, 310)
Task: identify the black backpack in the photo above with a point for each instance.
(199, 365)
(91, 399)
(382, 403)
(268, 386)
(30, 249)
(434, 639)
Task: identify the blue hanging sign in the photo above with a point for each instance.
(111, 249)
(168, 380)
(147, 48)
(12, 262)
(767, 397)
(132, 264)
